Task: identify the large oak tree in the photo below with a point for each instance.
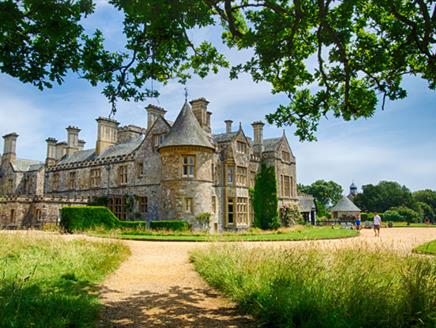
(362, 49)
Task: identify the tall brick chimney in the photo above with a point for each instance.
(107, 134)
(51, 151)
(72, 139)
(228, 126)
(258, 136)
(199, 108)
(153, 112)
(9, 150)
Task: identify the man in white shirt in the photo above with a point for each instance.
(377, 223)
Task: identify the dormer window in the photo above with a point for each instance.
(188, 166)
(286, 156)
(241, 147)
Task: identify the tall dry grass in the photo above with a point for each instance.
(336, 287)
(50, 281)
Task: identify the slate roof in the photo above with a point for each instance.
(24, 165)
(345, 205)
(224, 137)
(111, 151)
(186, 131)
(306, 203)
(271, 144)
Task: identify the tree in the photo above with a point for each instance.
(264, 198)
(362, 49)
(427, 196)
(383, 196)
(326, 193)
(426, 211)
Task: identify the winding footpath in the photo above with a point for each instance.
(158, 286)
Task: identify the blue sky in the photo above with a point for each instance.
(397, 144)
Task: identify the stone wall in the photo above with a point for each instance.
(18, 212)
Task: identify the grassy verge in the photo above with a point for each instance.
(298, 233)
(51, 282)
(314, 288)
(427, 248)
(412, 225)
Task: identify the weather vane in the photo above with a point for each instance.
(186, 94)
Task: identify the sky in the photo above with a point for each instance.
(397, 144)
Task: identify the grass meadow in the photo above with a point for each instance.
(308, 287)
(51, 282)
(427, 248)
(283, 234)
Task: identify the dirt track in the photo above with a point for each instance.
(158, 287)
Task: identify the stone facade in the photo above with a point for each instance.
(163, 171)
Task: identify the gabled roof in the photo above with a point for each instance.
(306, 203)
(345, 205)
(186, 131)
(224, 137)
(24, 165)
(271, 144)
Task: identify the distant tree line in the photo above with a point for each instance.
(395, 201)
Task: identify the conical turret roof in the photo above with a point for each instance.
(186, 131)
(345, 205)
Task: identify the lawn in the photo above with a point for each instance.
(427, 248)
(297, 233)
(412, 225)
(309, 287)
(51, 282)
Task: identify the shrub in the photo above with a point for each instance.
(175, 225)
(408, 214)
(394, 216)
(290, 215)
(265, 201)
(80, 218)
(364, 216)
(203, 219)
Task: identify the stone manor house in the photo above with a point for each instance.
(168, 170)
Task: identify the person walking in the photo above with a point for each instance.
(377, 223)
(357, 222)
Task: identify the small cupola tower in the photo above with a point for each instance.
(353, 189)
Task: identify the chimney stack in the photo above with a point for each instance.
(153, 112)
(81, 144)
(228, 126)
(107, 134)
(61, 150)
(258, 136)
(199, 108)
(9, 150)
(72, 139)
(51, 151)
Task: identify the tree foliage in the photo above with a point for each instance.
(362, 49)
(427, 196)
(264, 199)
(326, 193)
(383, 196)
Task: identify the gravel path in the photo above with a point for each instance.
(158, 287)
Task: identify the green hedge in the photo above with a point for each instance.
(176, 225)
(79, 218)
